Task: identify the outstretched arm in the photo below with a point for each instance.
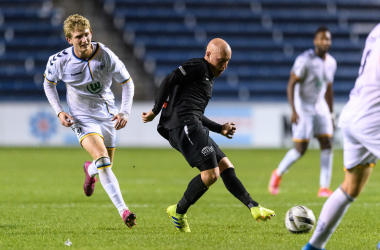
(213, 126)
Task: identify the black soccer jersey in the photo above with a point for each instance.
(184, 95)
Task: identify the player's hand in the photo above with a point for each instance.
(121, 121)
(148, 117)
(294, 117)
(66, 119)
(228, 130)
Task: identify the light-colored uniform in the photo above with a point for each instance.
(313, 75)
(360, 117)
(89, 97)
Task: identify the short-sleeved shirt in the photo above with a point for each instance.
(313, 74)
(88, 82)
(187, 101)
(363, 108)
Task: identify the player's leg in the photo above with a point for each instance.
(323, 130)
(337, 204)
(94, 145)
(359, 162)
(237, 189)
(301, 137)
(194, 144)
(326, 166)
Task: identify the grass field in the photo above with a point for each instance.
(43, 204)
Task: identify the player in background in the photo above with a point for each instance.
(183, 96)
(360, 124)
(310, 96)
(87, 68)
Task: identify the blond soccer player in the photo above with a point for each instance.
(87, 69)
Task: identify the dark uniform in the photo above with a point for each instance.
(184, 95)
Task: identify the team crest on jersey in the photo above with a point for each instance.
(101, 66)
(95, 88)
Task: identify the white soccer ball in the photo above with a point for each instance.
(299, 219)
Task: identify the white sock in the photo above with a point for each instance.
(92, 170)
(291, 156)
(332, 212)
(326, 167)
(110, 183)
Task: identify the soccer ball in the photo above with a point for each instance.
(299, 219)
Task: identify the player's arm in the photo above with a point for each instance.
(329, 96)
(52, 95)
(163, 92)
(228, 129)
(293, 79)
(127, 93)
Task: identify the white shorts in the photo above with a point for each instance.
(320, 124)
(86, 125)
(361, 146)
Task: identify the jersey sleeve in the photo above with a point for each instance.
(299, 68)
(52, 72)
(116, 68)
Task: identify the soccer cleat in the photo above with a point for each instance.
(324, 192)
(310, 247)
(262, 213)
(129, 218)
(180, 220)
(89, 183)
(274, 183)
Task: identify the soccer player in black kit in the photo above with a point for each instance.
(183, 97)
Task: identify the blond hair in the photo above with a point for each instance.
(75, 23)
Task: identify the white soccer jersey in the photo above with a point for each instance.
(88, 81)
(363, 108)
(313, 74)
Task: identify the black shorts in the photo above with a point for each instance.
(195, 144)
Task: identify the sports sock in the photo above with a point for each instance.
(110, 183)
(194, 191)
(332, 212)
(291, 156)
(92, 170)
(326, 167)
(236, 188)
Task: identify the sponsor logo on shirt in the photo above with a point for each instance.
(207, 150)
(94, 88)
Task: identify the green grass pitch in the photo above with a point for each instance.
(42, 203)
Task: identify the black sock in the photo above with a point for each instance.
(234, 185)
(194, 191)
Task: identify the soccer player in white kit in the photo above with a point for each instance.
(87, 68)
(310, 96)
(360, 124)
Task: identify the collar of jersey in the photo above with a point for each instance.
(93, 54)
(209, 72)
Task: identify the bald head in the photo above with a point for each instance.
(218, 54)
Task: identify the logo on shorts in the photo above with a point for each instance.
(207, 150)
(78, 131)
(94, 88)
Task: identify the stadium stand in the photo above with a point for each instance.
(30, 31)
(265, 36)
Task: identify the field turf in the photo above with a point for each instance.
(42, 203)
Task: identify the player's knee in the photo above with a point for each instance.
(103, 162)
(210, 176)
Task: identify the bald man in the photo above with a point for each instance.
(183, 97)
